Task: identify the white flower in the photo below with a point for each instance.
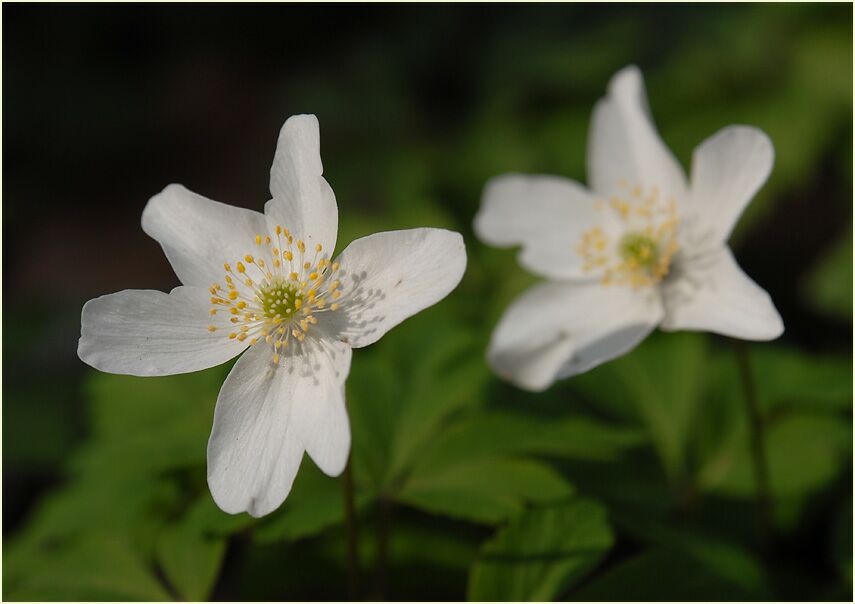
(268, 283)
(641, 248)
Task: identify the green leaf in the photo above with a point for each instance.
(810, 381)
(483, 490)
(663, 381)
(829, 287)
(99, 567)
(499, 433)
(730, 562)
(803, 452)
(541, 554)
(190, 560)
(148, 425)
(660, 574)
(316, 502)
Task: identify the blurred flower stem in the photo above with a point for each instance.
(350, 528)
(757, 442)
(384, 517)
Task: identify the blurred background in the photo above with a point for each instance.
(631, 482)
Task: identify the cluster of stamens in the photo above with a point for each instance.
(642, 255)
(274, 295)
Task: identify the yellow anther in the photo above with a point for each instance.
(241, 268)
(335, 284)
(278, 230)
(319, 247)
(335, 266)
(307, 265)
(232, 336)
(228, 268)
(248, 282)
(260, 263)
(241, 304)
(213, 290)
(233, 310)
(313, 277)
(241, 336)
(249, 259)
(234, 320)
(276, 263)
(304, 325)
(294, 276)
(288, 256)
(301, 246)
(212, 328)
(213, 311)
(298, 303)
(277, 344)
(275, 359)
(267, 239)
(334, 307)
(336, 295)
(233, 295)
(258, 239)
(253, 341)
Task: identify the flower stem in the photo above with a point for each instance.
(757, 442)
(384, 514)
(350, 528)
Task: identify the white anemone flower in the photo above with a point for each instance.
(639, 248)
(267, 284)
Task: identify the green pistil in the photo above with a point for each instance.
(280, 297)
(639, 248)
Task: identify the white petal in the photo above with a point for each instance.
(146, 332)
(254, 451)
(711, 293)
(199, 235)
(319, 414)
(555, 330)
(727, 170)
(303, 201)
(623, 144)
(547, 215)
(387, 277)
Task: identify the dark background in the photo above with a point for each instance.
(418, 106)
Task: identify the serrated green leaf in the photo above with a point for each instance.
(541, 554)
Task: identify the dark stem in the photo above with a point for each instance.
(757, 443)
(350, 528)
(384, 518)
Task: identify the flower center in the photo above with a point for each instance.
(275, 294)
(641, 255)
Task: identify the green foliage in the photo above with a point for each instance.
(829, 286)
(542, 553)
(523, 494)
